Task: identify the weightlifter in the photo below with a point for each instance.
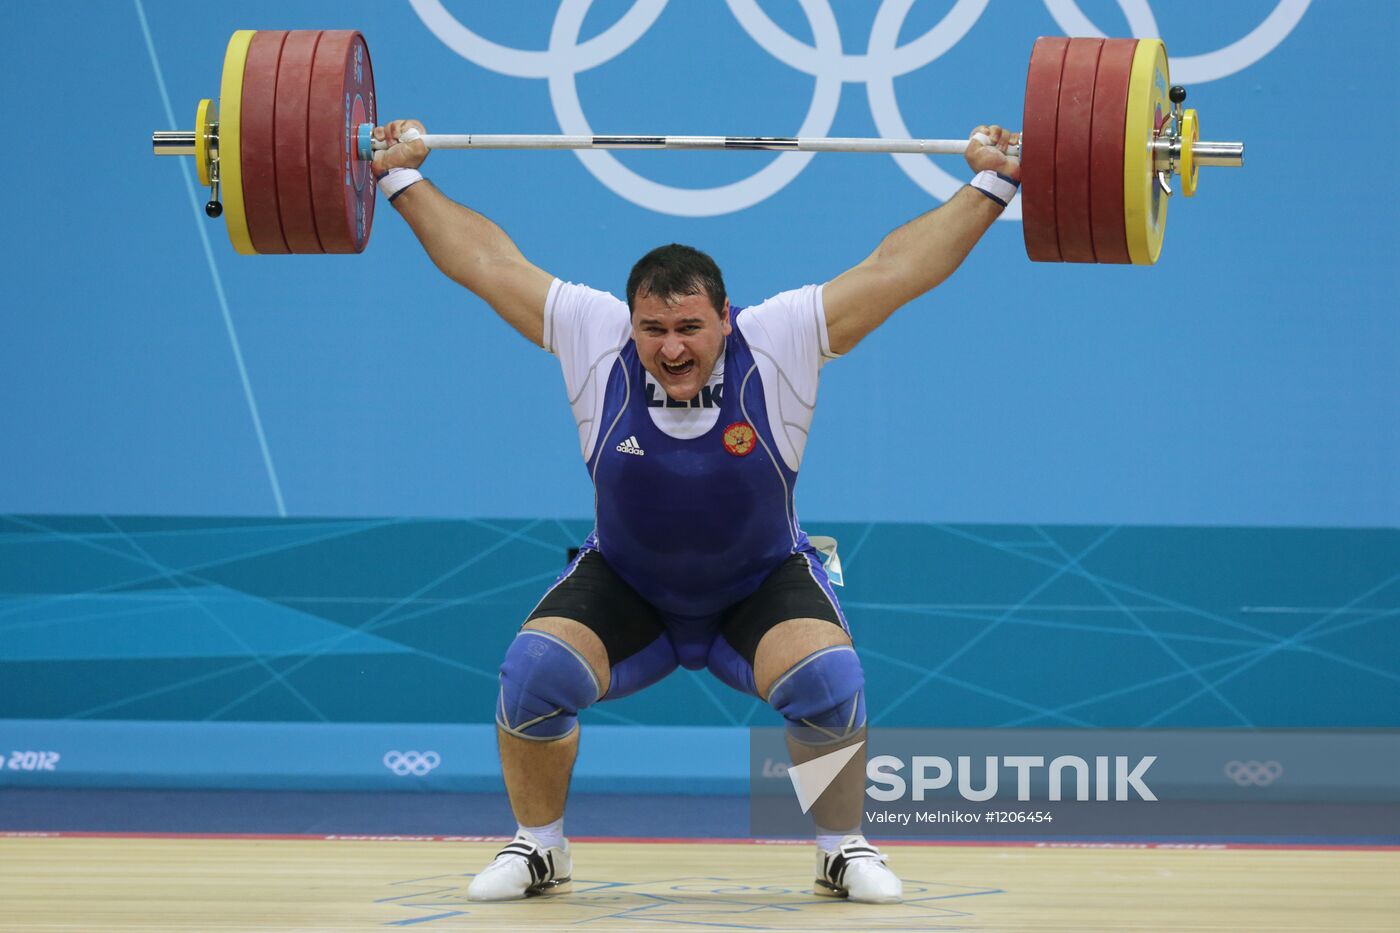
(692, 418)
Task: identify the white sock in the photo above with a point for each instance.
(550, 835)
(829, 841)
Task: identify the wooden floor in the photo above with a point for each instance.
(185, 884)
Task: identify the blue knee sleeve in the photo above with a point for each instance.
(822, 696)
(544, 683)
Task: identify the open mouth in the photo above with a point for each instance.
(678, 369)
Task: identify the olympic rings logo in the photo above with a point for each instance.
(825, 60)
(1253, 773)
(416, 763)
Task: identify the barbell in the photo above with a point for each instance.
(288, 145)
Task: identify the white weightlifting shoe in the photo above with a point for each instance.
(856, 870)
(523, 869)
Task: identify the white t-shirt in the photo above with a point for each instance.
(587, 329)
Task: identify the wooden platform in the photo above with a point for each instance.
(101, 883)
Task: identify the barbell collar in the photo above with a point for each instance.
(1166, 154)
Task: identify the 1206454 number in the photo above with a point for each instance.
(1020, 816)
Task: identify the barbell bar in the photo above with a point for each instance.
(289, 145)
(710, 143)
(183, 142)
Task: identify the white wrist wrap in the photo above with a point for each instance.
(996, 186)
(397, 180)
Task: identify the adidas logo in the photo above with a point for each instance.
(630, 446)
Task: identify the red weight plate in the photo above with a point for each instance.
(1038, 124)
(293, 170)
(342, 97)
(256, 141)
(1072, 134)
(1106, 150)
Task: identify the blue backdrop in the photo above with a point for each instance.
(1249, 379)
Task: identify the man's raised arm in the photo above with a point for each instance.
(467, 247)
(922, 253)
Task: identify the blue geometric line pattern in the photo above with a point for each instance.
(1293, 641)
(1161, 643)
(945, 661)
(384, 617)
(206, 609)
(961, 626)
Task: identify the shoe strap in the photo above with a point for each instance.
(535, 860)
(847, 853)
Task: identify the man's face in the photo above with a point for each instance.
(679, 341)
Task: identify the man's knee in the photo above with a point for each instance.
(544, 683)
(822, 697)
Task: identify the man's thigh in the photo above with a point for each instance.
(791, 615)
(599, 615)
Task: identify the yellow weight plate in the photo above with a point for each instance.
(230, 166)
(1144, 203)
(204, 118)
(1190, 132)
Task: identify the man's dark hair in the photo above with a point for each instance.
(674, 271)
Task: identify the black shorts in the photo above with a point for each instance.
(595, 596)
